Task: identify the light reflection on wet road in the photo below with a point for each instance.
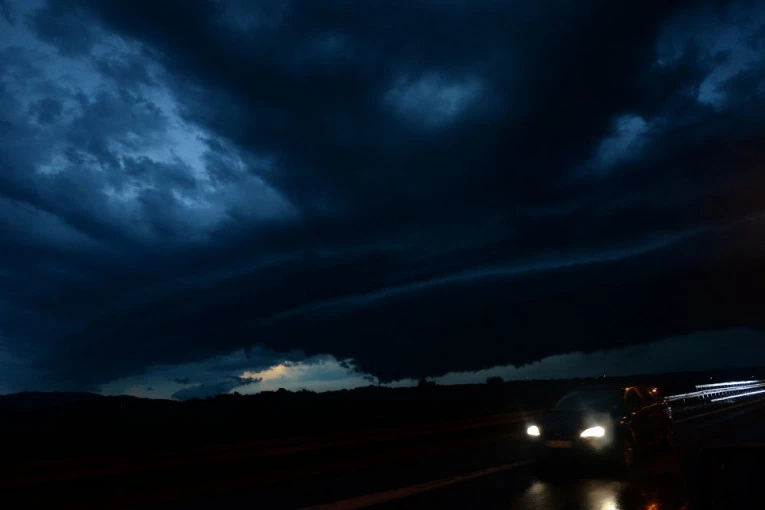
(656, 485)
(595, 494)
(603, 495)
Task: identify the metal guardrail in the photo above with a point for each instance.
(747, 394)
(715, 392)
(719, 384)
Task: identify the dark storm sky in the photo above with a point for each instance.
(417, 187)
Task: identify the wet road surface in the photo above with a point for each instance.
(650, 487)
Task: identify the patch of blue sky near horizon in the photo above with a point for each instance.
(142, 130)
(165, 380)
(267, 371)
(709, 350)
(730, 38)
(321, 373)
(229, 373)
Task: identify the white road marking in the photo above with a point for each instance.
(404, 492)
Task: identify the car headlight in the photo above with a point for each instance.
(533, 430)
(596, 431)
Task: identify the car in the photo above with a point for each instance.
(616, 423)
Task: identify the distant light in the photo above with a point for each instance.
(596, 431)
(533, 430)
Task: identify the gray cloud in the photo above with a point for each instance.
(5, 11)
(46, 110)
(388, 185)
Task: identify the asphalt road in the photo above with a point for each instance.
(473, 463)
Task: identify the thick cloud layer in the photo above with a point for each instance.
(421, 187)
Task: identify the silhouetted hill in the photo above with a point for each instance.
(29, 400)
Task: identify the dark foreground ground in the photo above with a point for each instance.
(472, 462)
(429, 446)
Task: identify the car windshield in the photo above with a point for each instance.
(601, 399)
